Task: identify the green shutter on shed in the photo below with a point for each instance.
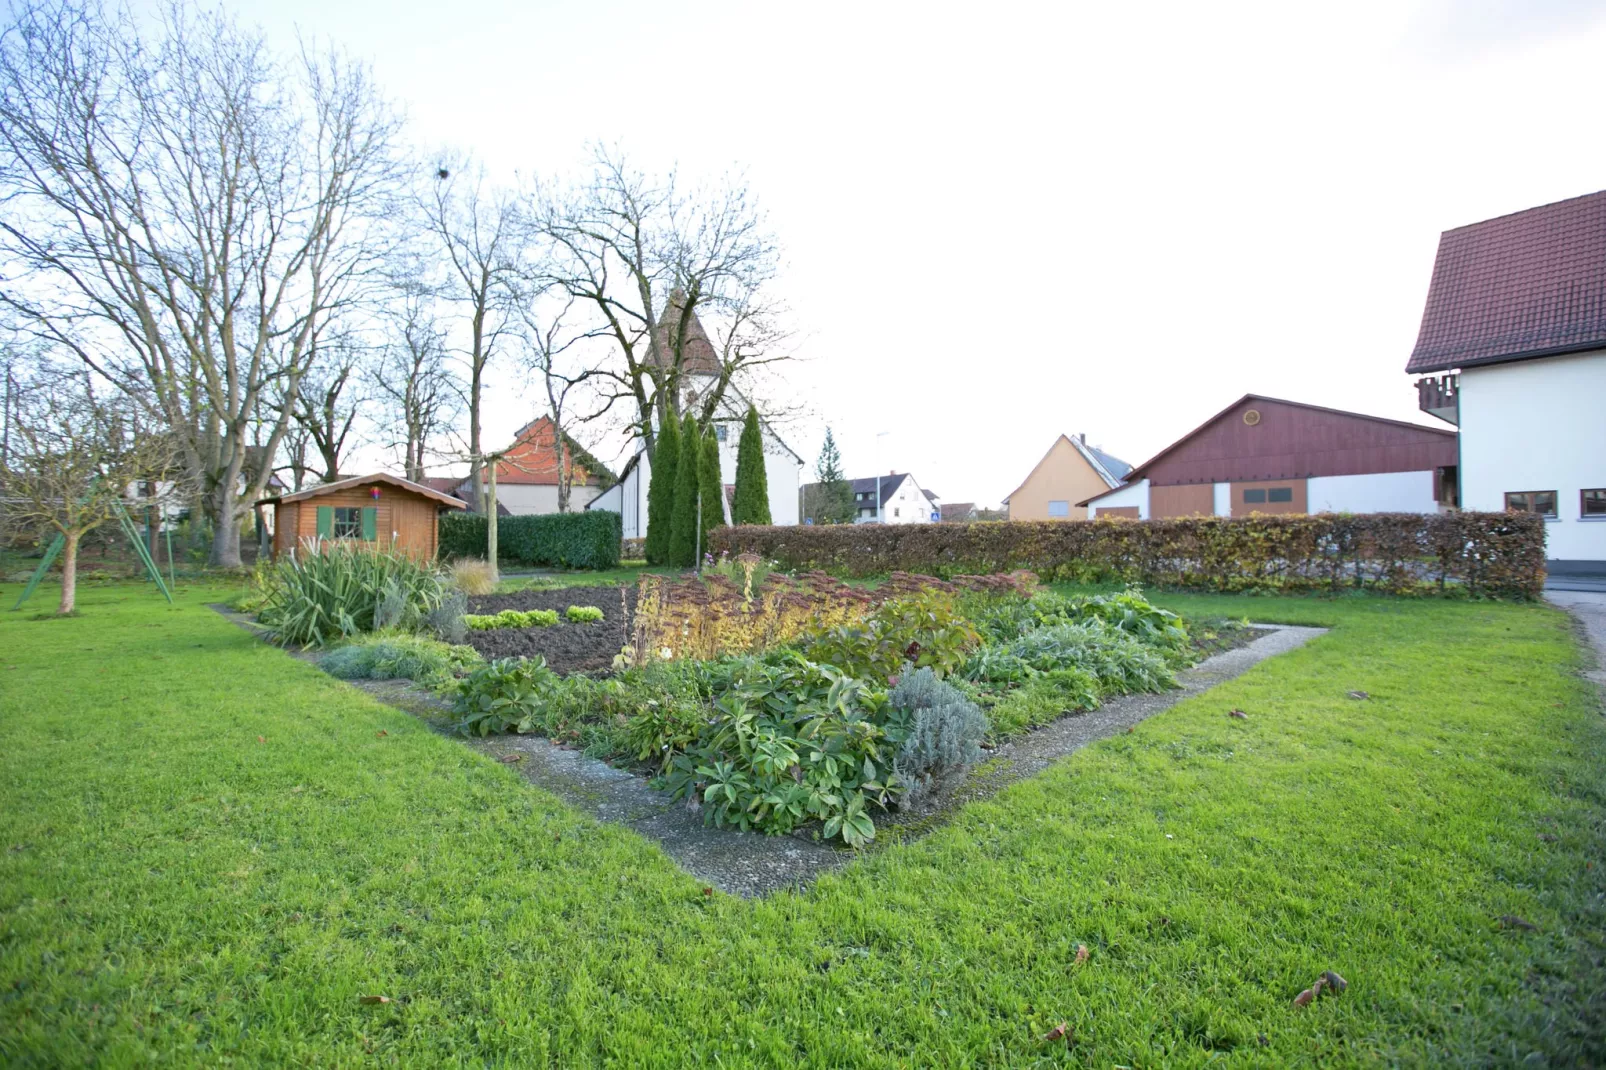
(370, 524)
(326, 522)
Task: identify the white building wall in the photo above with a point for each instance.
(1221, 502)
(1133, 494)
(524, 499)
(1536, 425)
(1379, 492)
(906, 505)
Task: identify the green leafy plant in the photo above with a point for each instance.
(511, 618)
(1044, 698)
(332, 592)
(925, 630)
(781, 741)
(504, 695)
(583, 614)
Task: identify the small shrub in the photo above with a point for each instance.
(504, 695)
(584, 614)
(473, 576)
(399, 656)
(944, 731)
(445, 622)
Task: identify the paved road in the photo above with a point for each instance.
(1590, 609)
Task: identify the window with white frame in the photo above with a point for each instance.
(1059, 508)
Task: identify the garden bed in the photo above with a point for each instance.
(567, 647)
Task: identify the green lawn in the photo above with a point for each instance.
(210, 852)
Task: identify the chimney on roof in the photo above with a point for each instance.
(1082, 438)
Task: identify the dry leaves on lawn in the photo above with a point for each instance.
(1059, 1032)
(1359, 694)
(1240, 714)
(1081, 953)
(510, 759)
(373, 999)
(1512, 921)
(1329, 983)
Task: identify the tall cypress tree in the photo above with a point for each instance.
(751, 502)
(661, 493)
(712, 484)
(682, 548)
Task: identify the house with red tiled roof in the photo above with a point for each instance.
(527, 474)
(1513, 352)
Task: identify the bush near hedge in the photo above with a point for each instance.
(559, 540)
(1493, 554)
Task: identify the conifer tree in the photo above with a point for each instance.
(750, 503)
(682, 549)
(712, 483)
(661, 493)
(833, 494)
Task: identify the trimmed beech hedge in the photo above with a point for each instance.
(1499, 554)
(559, 540)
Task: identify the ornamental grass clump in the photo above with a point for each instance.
(330, 591)
(473, 576)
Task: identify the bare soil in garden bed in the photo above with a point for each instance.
(567, 647)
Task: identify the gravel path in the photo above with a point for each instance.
(750, 864)
(1589, 609)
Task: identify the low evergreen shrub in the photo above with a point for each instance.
(399, 656)
(943, 734)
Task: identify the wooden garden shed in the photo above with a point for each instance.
(381, 509)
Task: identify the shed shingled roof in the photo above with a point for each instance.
(1529, 284)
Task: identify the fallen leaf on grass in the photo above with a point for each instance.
(1329, 983)
(1240, 714)
(381, 732)
(373, 999)
(1081, 953)
(261, 739)
(509, 759)
(1130, 730)
(1059, 1032)
(1512, 921)
(708, 892)
(1359, 694)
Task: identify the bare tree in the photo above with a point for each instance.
(184, 209)
(475, 225)
(651, 262)
(411, 380)
(557, 351)
(325, 407)
(75, 455)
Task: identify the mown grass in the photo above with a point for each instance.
(211, 852)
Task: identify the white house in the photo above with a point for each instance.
(1513, 340)
(902, 500)
(700, 371)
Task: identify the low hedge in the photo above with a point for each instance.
(559, 540)
(1499, 554)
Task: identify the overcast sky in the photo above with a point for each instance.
(1003, 222)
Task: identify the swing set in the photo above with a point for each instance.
(125, 522)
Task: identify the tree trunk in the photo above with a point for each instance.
(69, 574)
(225, 531)
(490, 526)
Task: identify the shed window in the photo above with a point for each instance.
(1542, 502)
(348, 522)
(1280, 494)
(1592, 502)
(1059, 508)
(1255, 497)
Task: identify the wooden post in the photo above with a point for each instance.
(490, 521)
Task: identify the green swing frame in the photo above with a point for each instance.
(125, 522)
